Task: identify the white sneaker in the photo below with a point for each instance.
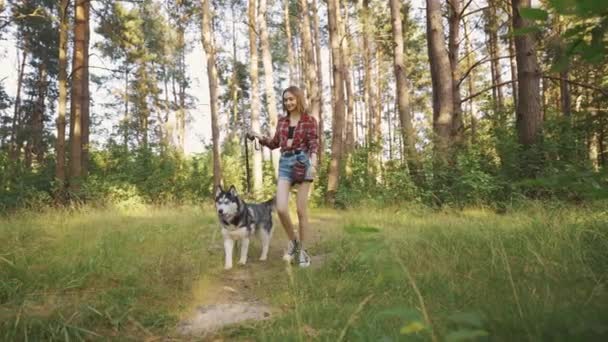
(303, 259)
(292, 250)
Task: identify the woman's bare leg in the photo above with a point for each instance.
(302, 205)
(283, 188)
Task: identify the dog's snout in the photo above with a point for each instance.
(221, 211)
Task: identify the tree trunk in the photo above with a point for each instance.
(86, 102)
(333, 176)
(290, 53)
(494, 52)
(512, 62)
(63, 96)
(168, 128)
(455, 7)
(443, 104)
(564, 87)
(470, 82)
(377, 119)
(234, 87)
(529, 120)
(14, 149)
(38, 115)
(126, 118)
(348, 83)
(310, 65)
(319, 68)
(78, 77)
(255, 96)
(181, 64)
(403, 101)
(269, 79)
(209, 46)
(369, 96)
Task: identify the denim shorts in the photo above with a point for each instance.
(286, 164)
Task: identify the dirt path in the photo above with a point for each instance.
(226, 298)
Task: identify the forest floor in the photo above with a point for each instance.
(535, 272)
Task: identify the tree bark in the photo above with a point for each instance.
(126, 118)
(494, 52)
(348, 83)
(86, 102)
(529, 119)
(512, 62)
(255, 95)
(268, 79)
(454, 19)
(291, 62)
(181, 65)
(564, 88)
(63, 96)
(78, 91)
(14, 149)
(403, 101)
(319, 68)
(333, 176)
(470, 82)
(209, 46)
(38, 115)
(234, 88)
(443, 104)
(369, 96)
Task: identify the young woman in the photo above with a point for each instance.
(297, 136)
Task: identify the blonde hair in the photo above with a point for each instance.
(300, 99)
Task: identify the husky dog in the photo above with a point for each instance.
(240, 220)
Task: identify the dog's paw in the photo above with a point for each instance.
(263, 258)
(242, 263)
(227, 267)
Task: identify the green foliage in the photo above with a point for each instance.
(587, 36)
(22, 187)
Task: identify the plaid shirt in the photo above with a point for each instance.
(305, 137)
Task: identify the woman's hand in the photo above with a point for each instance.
(253, 135)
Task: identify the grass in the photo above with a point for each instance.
(535, 273)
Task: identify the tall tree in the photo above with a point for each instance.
(454, 19)
(368, 91)
(403, 101)
(63, 94)
(349, 134)
(491, 17)
(291, 61)
(81, 22)
(268, 77)
(255, 96)
(15, 144)
(209, 46)
(333, 176)
(86, 97)
(309, 58)
(529, 120)
(319, 68)
(443, 95)
(512, 62)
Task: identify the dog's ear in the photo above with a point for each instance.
(218, 190)
(233, 191)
